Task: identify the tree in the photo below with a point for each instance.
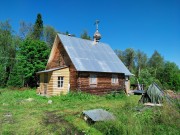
(7, 51)
(49, 35)
(129, 55)
(16, 77)
(120, 54)
(156, 63)
(33, 58)
(85, 35)
(145, 77)
(25, 30)
(170, 76)
(141, 61)
(38, 28)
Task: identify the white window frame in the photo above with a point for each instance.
(60, 82)
(114, 79)
(93, 80)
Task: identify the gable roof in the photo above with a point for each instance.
(89, 57)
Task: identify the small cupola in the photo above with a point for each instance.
(97, 35)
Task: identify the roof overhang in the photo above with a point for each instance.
(129, 74)
(50, 70)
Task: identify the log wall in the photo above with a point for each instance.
(73, 78)
(104, 84)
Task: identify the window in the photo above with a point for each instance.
(93, 80)
(114, 79)
(60, 81)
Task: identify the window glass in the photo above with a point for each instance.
(60, 81)
(93, 79)
(114, 79)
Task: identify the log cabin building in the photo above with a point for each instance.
(82, 65)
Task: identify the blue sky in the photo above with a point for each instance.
(147, 25)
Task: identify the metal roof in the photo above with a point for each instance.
(50, 70)
(87, 56)
(99, 115)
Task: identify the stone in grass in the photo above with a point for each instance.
(8, 115)
(29, 99)
(8, 118)
(49, 101)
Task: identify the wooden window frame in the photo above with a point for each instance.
(93, 83)
(60, 82)
(114, 79)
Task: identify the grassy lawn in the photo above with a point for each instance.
(20, 116)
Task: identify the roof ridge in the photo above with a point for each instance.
(83, 39)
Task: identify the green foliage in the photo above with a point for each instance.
(16, 78)
(146, 78)
(33, 55)
(77, 96)
(7, 51)
(170, 76)
(3, 76)
(147, 71)
(156, 62)
(85, 35)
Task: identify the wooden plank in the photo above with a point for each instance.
(65, 73)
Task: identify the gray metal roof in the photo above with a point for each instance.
(50, 70)
(89, 57)
(99, 115)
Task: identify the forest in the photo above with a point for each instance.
(26, 52)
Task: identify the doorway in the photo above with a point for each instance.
(45, 83)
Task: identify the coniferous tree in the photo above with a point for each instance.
(156, 63)
(38, 28)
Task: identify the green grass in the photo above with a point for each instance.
(20, 117)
